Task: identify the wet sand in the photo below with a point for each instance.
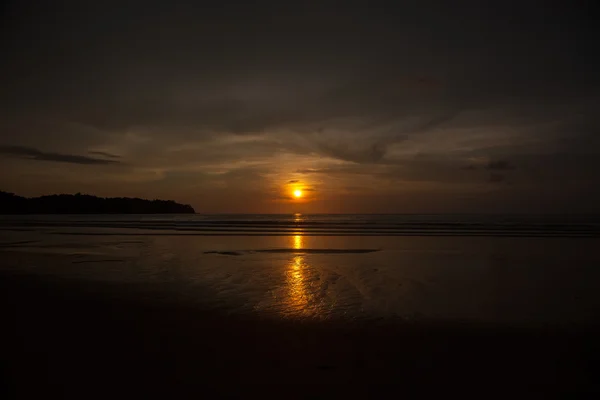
(74, 339)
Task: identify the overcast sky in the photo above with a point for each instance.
(400, 106)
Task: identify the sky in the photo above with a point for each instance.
(367, 107)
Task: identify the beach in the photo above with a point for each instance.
(304, 316)
(299, 200)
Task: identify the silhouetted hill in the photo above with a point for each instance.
(86, 204)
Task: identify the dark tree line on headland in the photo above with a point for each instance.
(86, 204)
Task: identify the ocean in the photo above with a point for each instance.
(509, 269)
(312, 225)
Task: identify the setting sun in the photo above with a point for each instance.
(298, 193)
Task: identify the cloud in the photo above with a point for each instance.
(348, 169)
(496, 178)
(367, 142)
(370, 154)
(35, 154)
(294, 181)
(492, 165)
(103, 154)
(499, 165)
(435, 121)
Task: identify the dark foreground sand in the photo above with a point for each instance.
(70, 339)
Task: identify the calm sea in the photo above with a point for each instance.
(312, 225)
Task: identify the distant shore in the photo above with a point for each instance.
(11, 204)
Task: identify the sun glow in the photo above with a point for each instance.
(297, 193)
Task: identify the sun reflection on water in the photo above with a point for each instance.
(298, 242)
(298, 295)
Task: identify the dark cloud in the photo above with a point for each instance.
(338, 170)
(103, 154)
(496, 178)
(293, 181)
(35, 154)
(370, 154)
(371, 142)
(499, 165)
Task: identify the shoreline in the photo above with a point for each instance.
(64, 338)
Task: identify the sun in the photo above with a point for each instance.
(297, 193)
